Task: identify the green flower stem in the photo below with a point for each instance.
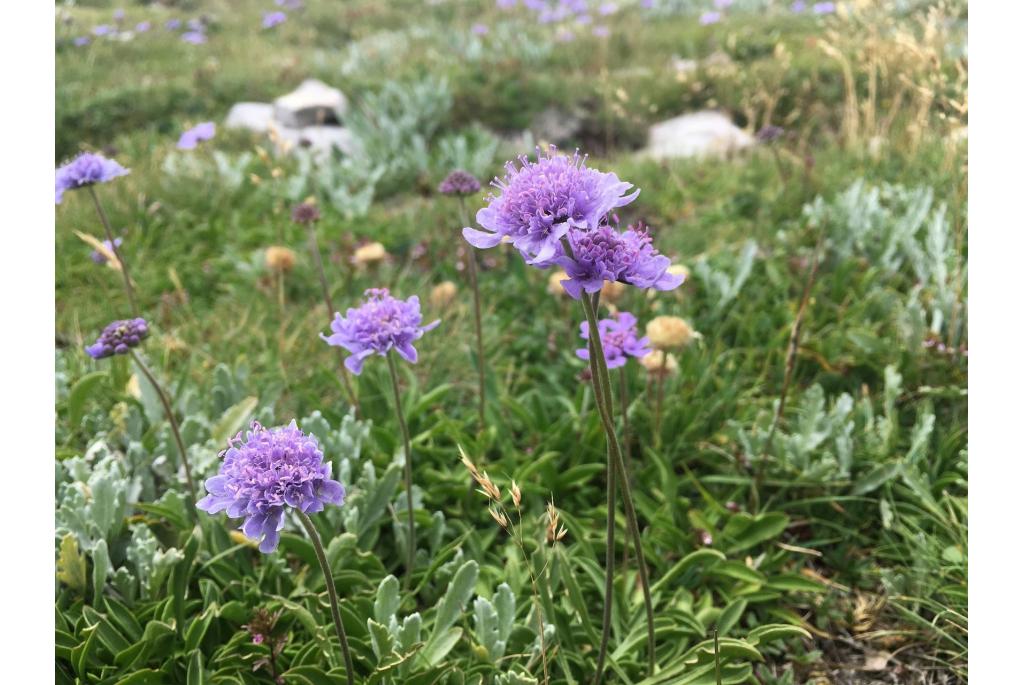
(314, 248)
(602, 383)
(332, 592)
(471, 269)
(411, 554)
(170, 418)
(128, 288)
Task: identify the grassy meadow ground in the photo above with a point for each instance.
(849, 523)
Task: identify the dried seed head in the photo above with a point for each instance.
(488, 488)
(555, 530)
(517, 495)
(499, 517)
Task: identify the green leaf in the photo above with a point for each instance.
(737, 570)
(730, 616)
(775, 631)
(196, 675)
(754, 530)
(100, 570)
(460, 589)
(709, 557)
(311, 675)
(71, 564)
(387, 601)
(232, 420)
(876, 478)
(794, 582)
(147, 676)
(381, 639)
(438, 647)
(80, 393)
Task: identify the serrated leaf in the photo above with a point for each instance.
(71, 564)
(387, 601)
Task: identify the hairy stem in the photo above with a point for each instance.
(128, 287)
(332, 592)
(169, 412)
(407, 443)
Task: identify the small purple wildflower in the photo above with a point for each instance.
(119, 14)
(81, 41)
(119, 337)
(769, 133)
(607, 8)
(194, 37)
(197, 134)
(798, 6)
(480, 29)
(618, 340)
(539, 202)
(101, 258)
(172, 24)
(506, 4)
(378, 325)
(709, 18)
(305, 213)
(102, 30)
(647, 4)
(272, 19)
(459, 182)
(85, 170)
(266, 471)
(143, 26)
(823, 7)
(604, 254)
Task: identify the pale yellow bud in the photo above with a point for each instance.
(612, 291)
(668, 332)
(555, 283)
(279, 258)
(370, 253)
(657, 364)
(443, 294)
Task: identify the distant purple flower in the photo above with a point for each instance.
(194, 37)
(459, 182)
(605, 254)
(102, 30)
(539, 202)
(535, 5)
(618, 340)
(798, 7)
(378, 325)
(101, 258)
(119, 337)
(272, 19)
(823, 7)
(769, 133)
(480, 29)
(305, 213)
(607, 8)
(197, 134)
(709, 18)
(267, 470)
(81, 41)
(172, 24)
(647, 4)
(143, 26)
(506, 4)
(119, 15)
(601, 31)
(85, 170)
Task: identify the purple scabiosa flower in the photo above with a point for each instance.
(378, 325)
(272, 19)
(119, 14)
(798, 6)
(539, 202)
(197, 134)
(194, 37)
(480, 29)
(709, 18)
(305, 213)
(102, 30)
(647, 4)
(85, 170)
(823, 7)
(769, 133)
(605, 254)
(101, 258)
(607, 8)
(618, 340)
(459, 182)
(266, 471)
(119, 337)
(172, 24)
(143, 26)
(81, 41)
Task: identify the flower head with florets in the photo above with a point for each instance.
(459, 182)
(538, 203)
(265, 471)
(618, 340)
(86, 169)
(378, 325)
(118, 337)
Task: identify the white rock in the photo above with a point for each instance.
(254, 116)
(319, 139)
(696, 135)
(314, 103)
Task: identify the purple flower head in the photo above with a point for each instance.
(265, 471)
(769, 133)
(172, 24)
(118, 337)
(101, 258)
(305, 213)
(272, 19)
(378, 325)
(539, 202)
(824, 7)
(459, 182)
(119, 14)
(103, 30)
(709, 18)
(647, 4)
(197, 134)
(798, 6)
(618, 340)
(480, 29)
(506, 4)
(194, 37)
(607, 255)
(82, 41)
(143, 26)
(607, 8)
(85, 170)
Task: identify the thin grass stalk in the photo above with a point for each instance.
(471, 269)
(128, 287)
(600, 368)
(169, 412)
(314, 248)
(407, 446)
(626, 437)
(609, 556)
(332, 592)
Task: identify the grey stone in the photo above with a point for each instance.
(254, 116)
(555, 125)
(699, 134)
(319, 139)
(314, 103)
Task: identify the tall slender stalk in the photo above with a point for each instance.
(609, 553)
(332, 592)
(128, 287)
(599, 369)
(314, 248)
(411, 553)
(626, 437)
(169, 412)
(471, 269)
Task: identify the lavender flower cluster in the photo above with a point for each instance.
(119, 337)
(618, 340)
(266, 471)
(86, 169)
